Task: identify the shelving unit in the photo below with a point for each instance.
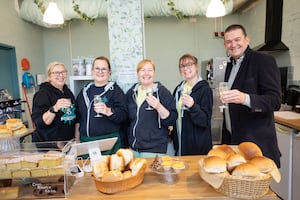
(78, 82)
(8, 108)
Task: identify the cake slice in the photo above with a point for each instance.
(38, 172)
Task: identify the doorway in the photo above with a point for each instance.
(9, 73)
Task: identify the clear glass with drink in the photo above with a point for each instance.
(97, 99)
(223, 87)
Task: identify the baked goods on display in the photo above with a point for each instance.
(167, 164)
(214, 164)
(248, 173)
(12, 127)
(118, 172)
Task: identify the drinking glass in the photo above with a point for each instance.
(149, 92)
(97, 99)
(223, 87)
(187, 92)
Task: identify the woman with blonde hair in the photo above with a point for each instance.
(151, 110)
(53, 110)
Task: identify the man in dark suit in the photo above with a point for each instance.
(255, 93)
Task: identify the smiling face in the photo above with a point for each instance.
(146, 73)
(100, 72)
(188, 67)
(236, 43)
(57, 75)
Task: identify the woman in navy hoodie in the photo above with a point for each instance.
(151, 110)
(100, 120)
(194, 101)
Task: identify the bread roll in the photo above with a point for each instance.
(114, 175)
(246, 169)
(214, 164)
(99, 168)
(20, 131)
(235, 160)
(127, 155)
(136, 165)
(264, 164)
(249, 150)
(127, 174)
(227, 149)
(217, 152)
(14, 123)
(116, 162)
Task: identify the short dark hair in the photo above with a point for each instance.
(235, 27)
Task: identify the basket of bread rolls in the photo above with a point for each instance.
(118, 172)
(240, 171)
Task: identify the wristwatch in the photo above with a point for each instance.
(52, 110)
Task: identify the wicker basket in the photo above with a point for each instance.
(244, 187)
(122, 185)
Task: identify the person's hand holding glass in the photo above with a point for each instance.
(149, 92)
(97, 99)
(184, 95)
(223, 87)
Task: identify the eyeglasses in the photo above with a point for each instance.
(188, 65)
(102, 69)
(59, 73)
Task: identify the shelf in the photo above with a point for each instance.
(78, 82)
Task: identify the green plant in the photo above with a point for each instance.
(82, 15)
(40, 5)
(175, 12)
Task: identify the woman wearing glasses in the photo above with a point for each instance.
(151, 110)
(53, 110)
(101, 107)
(194, 101)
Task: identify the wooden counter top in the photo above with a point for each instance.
(189, 186)
(288, 118)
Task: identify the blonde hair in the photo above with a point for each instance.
(142, 63)
(50, 68)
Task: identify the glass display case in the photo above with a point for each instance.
(37, 171)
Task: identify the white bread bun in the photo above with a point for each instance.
(217, 152)
(227, 149)
(246, 169)
(127, 154)
(249, 150)
(235, 160)
(99, 169)
(264, 164)
(113, 175)
(136, 165)
(214, 164)
(14, 123)
(116, 162)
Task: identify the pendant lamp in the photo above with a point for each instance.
(215, 9)
(53, 15)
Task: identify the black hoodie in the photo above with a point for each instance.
(60, 129)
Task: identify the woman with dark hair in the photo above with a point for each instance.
(194, 101)
(102, 118)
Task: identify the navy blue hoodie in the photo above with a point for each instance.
(196, 138)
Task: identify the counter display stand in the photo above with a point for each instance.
(36, 171)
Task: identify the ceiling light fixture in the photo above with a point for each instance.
(53, 15)
(215, 9)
